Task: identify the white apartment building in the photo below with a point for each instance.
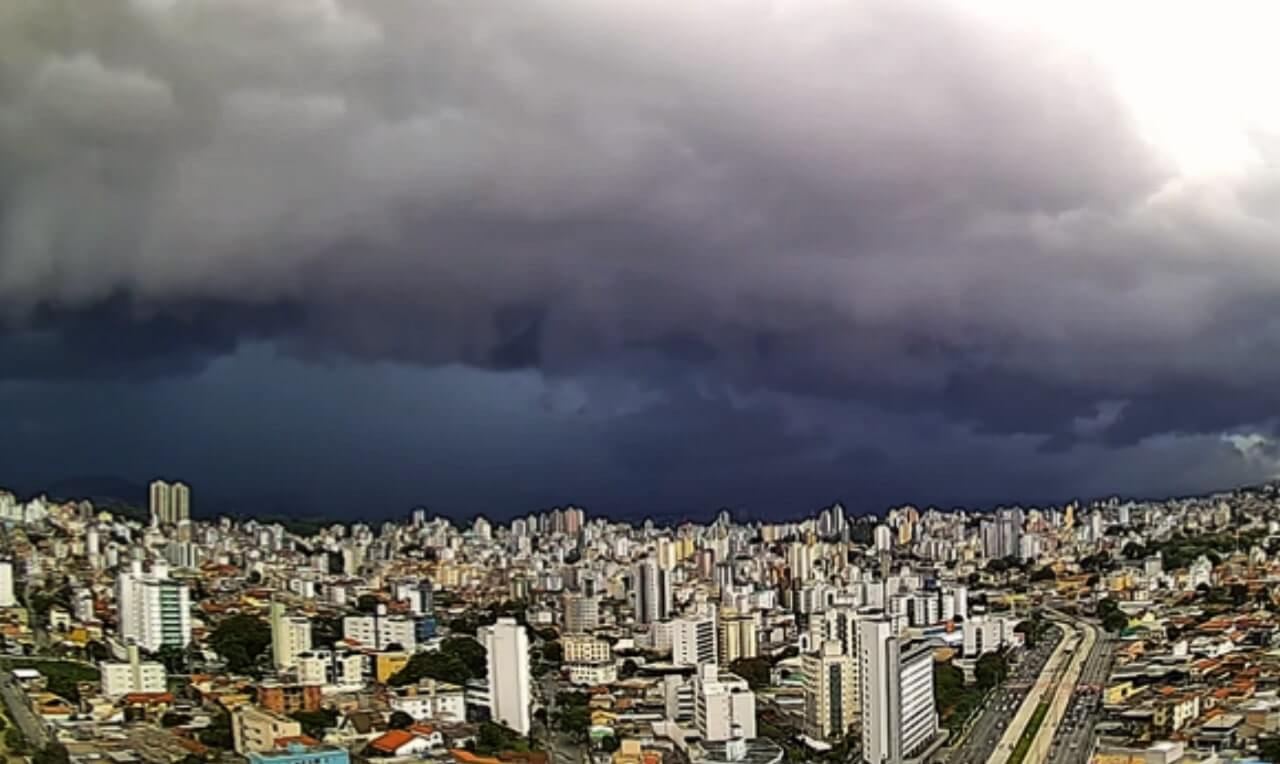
(693, 640)
(7, 598)
(986, 634)
(290, 636)
(322, 667)
(135, 675)
(585, 649)
(899, 720)
(255, 730)
(831, 691)
(379, 631)
(724, 705)
(153, 610)
(433, 700)
(581, 614)
(592, 674)
(510, 695)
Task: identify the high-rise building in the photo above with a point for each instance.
(899, 720)
(830, 697)
(724, 705)
(7, 598)
(1002, 534)
(152, 609)
(581, 614)
(381, 631)
(652, 592)
(170, 502)
(693, 640)
(510, 695)
(290, 636)
(739, 636)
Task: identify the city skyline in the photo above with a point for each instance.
(247, 510)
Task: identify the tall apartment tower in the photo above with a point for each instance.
(153, 610)
(7, 597)
(693, 640)
(170, 503)
(830, 692)
(652, 595)
(290, 636)
(899, 720)
(510, 695)
(581, 614)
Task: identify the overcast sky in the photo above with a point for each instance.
(354, 256)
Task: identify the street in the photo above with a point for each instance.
(15, 701)
(1074, 741)
(986, 731)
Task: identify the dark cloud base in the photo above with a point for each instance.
(669, 258)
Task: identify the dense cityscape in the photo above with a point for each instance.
(1115, 631)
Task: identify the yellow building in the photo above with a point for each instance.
(387, 665)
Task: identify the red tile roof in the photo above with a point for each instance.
(391, 741)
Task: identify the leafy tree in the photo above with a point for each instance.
(53, 753)
(1134, 551)
(1044, 574)
(493, 738)
(218, 733)
(755, 670)
(629, 669)
(326, 631)
(316, 723)
(173, 657)
(95, 651)
(1115, 621)
(990, 670)
(368, 603)
(575, 721)
(14, 741)
(997, 567)
(400, 720)
(459, 660)
(470, 652)
(241, 639)
(174, 719)
(553, 652)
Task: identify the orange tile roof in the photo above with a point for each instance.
(467, 757)
(391, 741)
(148, 697)
(307, 740)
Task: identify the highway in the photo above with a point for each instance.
(1061, 698)
(985, 732)
(15, 701)
(1074, 742)
(1045, 686)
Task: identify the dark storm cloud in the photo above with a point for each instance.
(895, 203)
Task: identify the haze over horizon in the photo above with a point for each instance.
(648, 258)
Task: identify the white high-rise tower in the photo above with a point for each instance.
(510, 696)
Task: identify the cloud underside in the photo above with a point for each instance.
(902, 206)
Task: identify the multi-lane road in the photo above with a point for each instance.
(1074, 740)
(1067, 672)
(984, 734)
(15, 702)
